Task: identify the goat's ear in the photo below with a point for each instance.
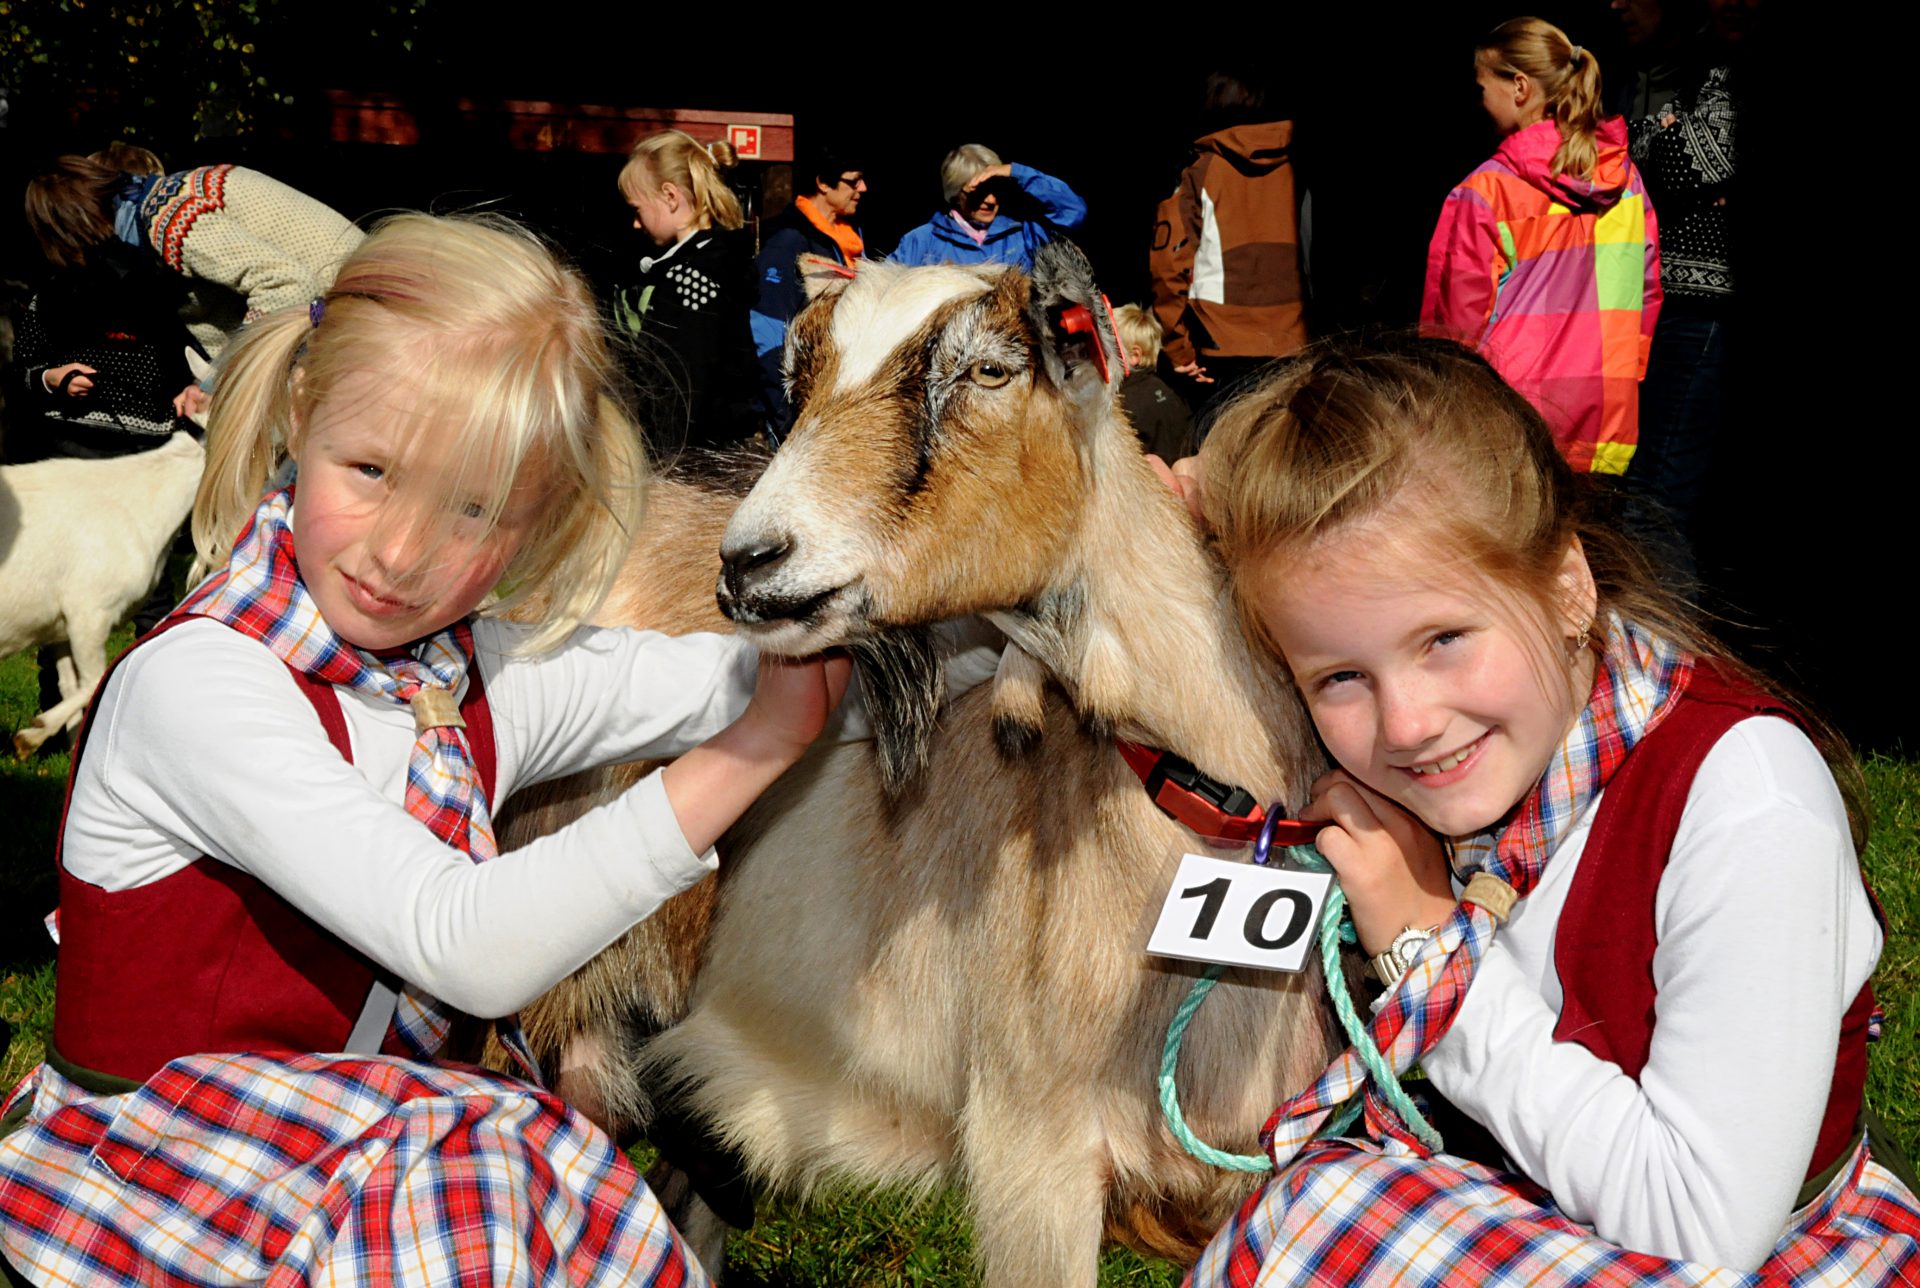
(1078, 345)
(821, 276)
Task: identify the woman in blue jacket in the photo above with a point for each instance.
(975, 229)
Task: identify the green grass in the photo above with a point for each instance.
(887, 1240)
(1892, 864)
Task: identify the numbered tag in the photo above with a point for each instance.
(1239, 914)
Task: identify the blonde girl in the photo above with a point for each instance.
(1607, 877)
(278, 876)
(695, 289)
(1546, 258)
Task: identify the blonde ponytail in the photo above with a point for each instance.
(1569, 80)
(697, 169)
(248, 424)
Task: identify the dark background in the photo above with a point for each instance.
(1808, 554)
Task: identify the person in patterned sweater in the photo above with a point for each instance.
(689, 308)
(1685, 147)
(250, 244)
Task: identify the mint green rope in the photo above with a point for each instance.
(1334, 930)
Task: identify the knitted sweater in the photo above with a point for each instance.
(271, 246)
(1689, 168)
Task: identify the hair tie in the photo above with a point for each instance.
(1574, 57)
(316, 309)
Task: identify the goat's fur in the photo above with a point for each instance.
(952, 987)
(81, 543)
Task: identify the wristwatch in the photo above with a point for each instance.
(1406, 946)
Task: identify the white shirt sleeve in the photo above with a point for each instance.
(250, 779)
(609, 695)
(1765, 937)
(612, 695)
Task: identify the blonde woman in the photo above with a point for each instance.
(690, 303)
(278, 879)
(1546, 258)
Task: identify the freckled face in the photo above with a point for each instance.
(1426, 687)
(389, 555)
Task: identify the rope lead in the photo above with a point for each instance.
(1335, 928)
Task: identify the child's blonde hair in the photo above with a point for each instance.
(1140, 333)
(695, 168)
(480, 340)
(1569, 81)
(1424, 432)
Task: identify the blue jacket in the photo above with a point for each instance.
(1009, 241)
(787, 237)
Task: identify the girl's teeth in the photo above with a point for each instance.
(1441, 766)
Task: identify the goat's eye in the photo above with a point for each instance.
(988, 375)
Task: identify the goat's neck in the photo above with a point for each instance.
(1140, 630)
(165, 479)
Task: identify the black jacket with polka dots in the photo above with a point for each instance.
(119, 315)
(695, 366)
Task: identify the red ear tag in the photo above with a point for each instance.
(1126, 363)
(1074, 320)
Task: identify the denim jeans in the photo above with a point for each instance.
(1680, 410)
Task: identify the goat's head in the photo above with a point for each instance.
(939, 457)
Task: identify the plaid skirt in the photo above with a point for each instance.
(323, 1169)
(1345, 1212)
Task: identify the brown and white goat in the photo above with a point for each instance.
(949, 984)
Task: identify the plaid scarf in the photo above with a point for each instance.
(260, 594)
(1634, 686)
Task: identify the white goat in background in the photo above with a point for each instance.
(81, 543)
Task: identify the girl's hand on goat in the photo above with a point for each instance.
(78, 387)
(1391, 867)
(712, 785)
(793, 698)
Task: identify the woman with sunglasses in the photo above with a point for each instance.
(828, 188)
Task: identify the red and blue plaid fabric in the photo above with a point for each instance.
(1346, 1212)
(259, 593)
(1634, 685)
(229, 1170)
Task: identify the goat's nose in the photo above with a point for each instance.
(747, 566)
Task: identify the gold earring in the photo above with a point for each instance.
(1584, 638)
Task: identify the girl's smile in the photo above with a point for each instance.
(1435, 691)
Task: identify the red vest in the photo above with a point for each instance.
(1603, 946)
(209, 958)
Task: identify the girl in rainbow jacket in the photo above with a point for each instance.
(1546, 258)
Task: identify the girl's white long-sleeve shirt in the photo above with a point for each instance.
(203, 744)
(1765, 936)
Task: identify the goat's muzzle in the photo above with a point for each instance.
(748, 592)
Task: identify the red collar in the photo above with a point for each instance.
(1206, 805)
